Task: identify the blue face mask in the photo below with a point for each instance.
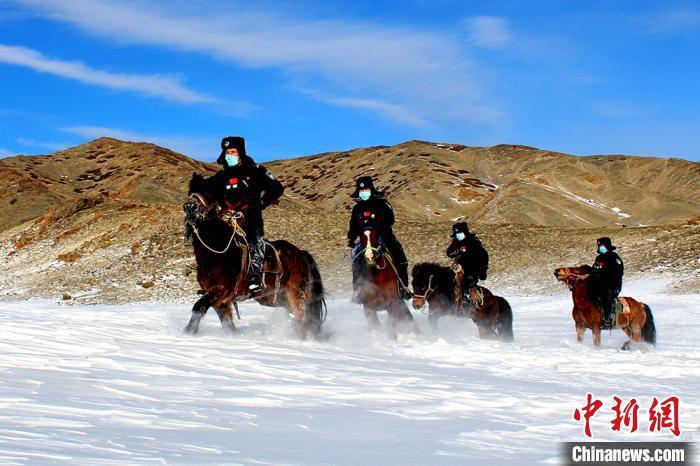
(232, 160)
(460, 236)
(602, 249)
(365, 195)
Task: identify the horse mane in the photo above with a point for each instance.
(444, 276)
(196, 182)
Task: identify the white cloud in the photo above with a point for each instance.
(52, 146)
(5, 152)
(394, 70)
(490, 32)
(200, 148)
(671, 21)
(157, 85)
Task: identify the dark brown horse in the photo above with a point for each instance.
(492, 314)
(291, 277)
(637, 322)
(379, 284)
(436, 285)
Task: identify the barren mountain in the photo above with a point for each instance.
(103, 222)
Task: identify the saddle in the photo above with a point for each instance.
(620, 306)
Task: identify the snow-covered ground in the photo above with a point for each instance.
(101, 385)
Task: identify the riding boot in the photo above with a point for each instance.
(466, 307)
(609, 310)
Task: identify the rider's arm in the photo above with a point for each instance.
(353, 228)
(271, 187)
(388, 214)
(453, 249)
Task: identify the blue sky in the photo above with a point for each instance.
(573, 76)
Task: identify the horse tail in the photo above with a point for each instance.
(505, 320)
(316, 309)
(649, 330)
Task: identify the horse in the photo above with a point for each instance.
(291, 277)
(492, 314)
(436, 285)
(638, 323)
(379, 287)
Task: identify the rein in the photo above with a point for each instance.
(232, 219)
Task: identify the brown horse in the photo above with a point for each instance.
(379, 284)
(637, 323)
(291, 277)
(492, 314)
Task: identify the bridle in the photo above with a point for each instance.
(368, 250)
(428, 291)
(571, 278)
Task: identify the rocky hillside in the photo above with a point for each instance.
(103, 222)
(505, 184)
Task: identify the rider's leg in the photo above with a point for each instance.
(256, 245)
(356, 279)
(610, 296)
(465, 304)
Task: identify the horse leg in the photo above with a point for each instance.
(198, 311)
(225, 314)
(298, 308)
(596, 336)
(634, 332)
(372, 319)
(580, 331)
(433, 319)
(485, 331)
(404, 315)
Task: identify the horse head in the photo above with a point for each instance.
(572, 275)
(424, 283)
(200, 201)
(371, 247)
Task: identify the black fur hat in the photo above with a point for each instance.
(231, 142)
(363, 182)
(607, 242)
(460, 227)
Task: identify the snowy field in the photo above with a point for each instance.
(98, 385)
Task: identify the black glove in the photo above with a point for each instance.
(351, 243)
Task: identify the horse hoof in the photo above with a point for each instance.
(190, 331)
(626, 346)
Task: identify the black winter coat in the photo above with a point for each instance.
(609, 270)
(375, 212)
(247, 186)
(471, 255)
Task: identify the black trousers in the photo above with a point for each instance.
(253, 225)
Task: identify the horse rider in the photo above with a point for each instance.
(373, 209)
(246, 187)
(607, 275)
(469, 257)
